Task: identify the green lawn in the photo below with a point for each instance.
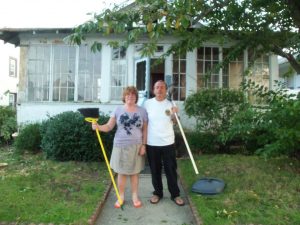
(257, 191)
(41, 191)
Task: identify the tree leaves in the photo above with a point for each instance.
(267, 25)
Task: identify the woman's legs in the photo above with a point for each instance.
(134, 179)
(122, 185)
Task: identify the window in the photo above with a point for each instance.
(118, 73)
(259, 68)
(208, 73)
(179, 76)
(12, 67)
(12, 99)
(233, 73)
(63, 73)
(38, 72)
(207, 61)
(89, 75)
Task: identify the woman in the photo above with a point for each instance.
(128, 154)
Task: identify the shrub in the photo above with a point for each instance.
(282, 129)
(29, 138)
(8, 123)
(214, 110)
(67, 136)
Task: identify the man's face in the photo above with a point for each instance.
(160, 90)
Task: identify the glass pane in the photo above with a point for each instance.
(200, 81)
(182, 80)
(182, 66)
(71, 94)
(141, 75)
(175, 66)
(200, 53)
(55, 94)
(215, 54)
(63, 94)
(200, 67)
(182, 94)
(175, 79)
(207, 53)
(207, 66)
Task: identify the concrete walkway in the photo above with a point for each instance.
(166, 212)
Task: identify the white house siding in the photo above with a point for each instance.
(291, 82)
(8, 83)
(38, 111)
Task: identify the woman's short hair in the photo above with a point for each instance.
(128, 90)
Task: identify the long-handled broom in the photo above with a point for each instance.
(170, 98)
(91, 115)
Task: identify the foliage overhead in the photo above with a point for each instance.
(263, 25)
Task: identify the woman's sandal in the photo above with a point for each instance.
(154, 199)
(117, 204)
(137, 204)
(178, 201)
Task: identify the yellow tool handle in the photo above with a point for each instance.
(93, 120)
(108, 166)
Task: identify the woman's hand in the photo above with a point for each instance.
(142, 150)
(94, 125)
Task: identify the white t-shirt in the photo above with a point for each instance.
(160, 125)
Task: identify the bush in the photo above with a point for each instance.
(214, 110)
(278, 129)
(29, 138)
(67, 136)
(8, 123)
(282, 129)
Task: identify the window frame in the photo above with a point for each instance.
(45, 65)
(12, 66)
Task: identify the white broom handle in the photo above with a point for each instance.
(185, 141)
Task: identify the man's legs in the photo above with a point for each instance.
(170, 166)
(154, 159)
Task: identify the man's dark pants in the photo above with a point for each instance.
(165, 156)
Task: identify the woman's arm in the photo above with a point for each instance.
(144, 139)
(144, 131)
(106, 127)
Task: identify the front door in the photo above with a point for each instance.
(142, 73)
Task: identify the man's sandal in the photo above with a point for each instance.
(178, 201)
(154, 199)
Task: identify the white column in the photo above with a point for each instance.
(191, 72)
(105, 73)
(273, 70)
(130, 65)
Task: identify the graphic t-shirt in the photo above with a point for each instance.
(129, 126)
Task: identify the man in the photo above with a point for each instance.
(160, 143)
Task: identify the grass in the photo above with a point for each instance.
(257, 191)
(35, 190)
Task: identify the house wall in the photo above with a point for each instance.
(38, 111)
(292, 81)
(8, 84)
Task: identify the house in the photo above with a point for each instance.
(9, 59)
(56, 76)
(292, 81)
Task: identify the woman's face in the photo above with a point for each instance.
(130, 98)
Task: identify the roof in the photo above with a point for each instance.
(12, 35)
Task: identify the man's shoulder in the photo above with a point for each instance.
(148, 101)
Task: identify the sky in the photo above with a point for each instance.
(50, 13)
